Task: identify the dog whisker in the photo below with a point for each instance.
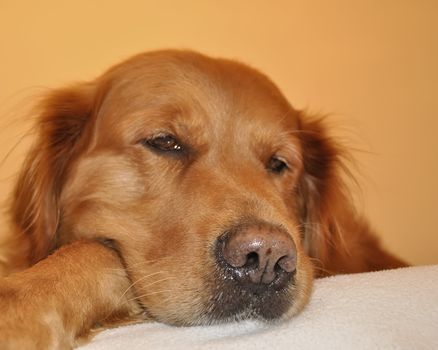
(137, 265)
(148, 294)
(156, 282)
(139, 280)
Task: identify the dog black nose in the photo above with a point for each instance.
(258, 254)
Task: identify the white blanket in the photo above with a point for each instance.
(394, 309)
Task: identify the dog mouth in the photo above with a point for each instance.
(237, 302)
(226, 300)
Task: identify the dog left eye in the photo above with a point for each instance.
(277, 165)
(164, 143)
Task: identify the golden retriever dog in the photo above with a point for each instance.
(176, 188)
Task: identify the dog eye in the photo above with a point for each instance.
(277, 165)
(164, 143)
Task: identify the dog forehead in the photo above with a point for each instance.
(223, 92)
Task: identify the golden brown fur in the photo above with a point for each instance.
(144, 222)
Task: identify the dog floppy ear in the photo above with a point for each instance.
(336, 236)
(322, 199)
(60, 135)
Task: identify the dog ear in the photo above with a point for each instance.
(335, 235)
(322, 199)
(60, 134)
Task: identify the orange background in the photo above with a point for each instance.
(373, 65)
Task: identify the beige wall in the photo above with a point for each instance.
(372, 64)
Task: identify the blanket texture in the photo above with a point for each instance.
(394, 309)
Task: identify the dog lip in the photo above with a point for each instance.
(236, 302)
(244, 279)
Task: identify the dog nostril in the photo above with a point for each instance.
(286, 263)
(252, 261)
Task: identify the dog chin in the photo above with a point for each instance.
(237, 304)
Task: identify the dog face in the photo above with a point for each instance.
(197, 171)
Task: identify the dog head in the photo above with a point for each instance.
(198, 172)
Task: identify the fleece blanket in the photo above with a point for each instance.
(394, 309)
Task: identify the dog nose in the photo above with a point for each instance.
(259, 254)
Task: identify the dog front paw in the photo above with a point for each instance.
(26, 324)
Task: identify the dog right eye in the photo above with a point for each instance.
(163, 143)
(277, 165)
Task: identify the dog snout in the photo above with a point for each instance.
(258, 254)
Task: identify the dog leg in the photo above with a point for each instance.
(58, 300)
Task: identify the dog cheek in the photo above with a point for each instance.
(100, 199)
(178, 295)
(108, 178)
(180, 266)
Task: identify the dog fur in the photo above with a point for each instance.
(106, 227)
